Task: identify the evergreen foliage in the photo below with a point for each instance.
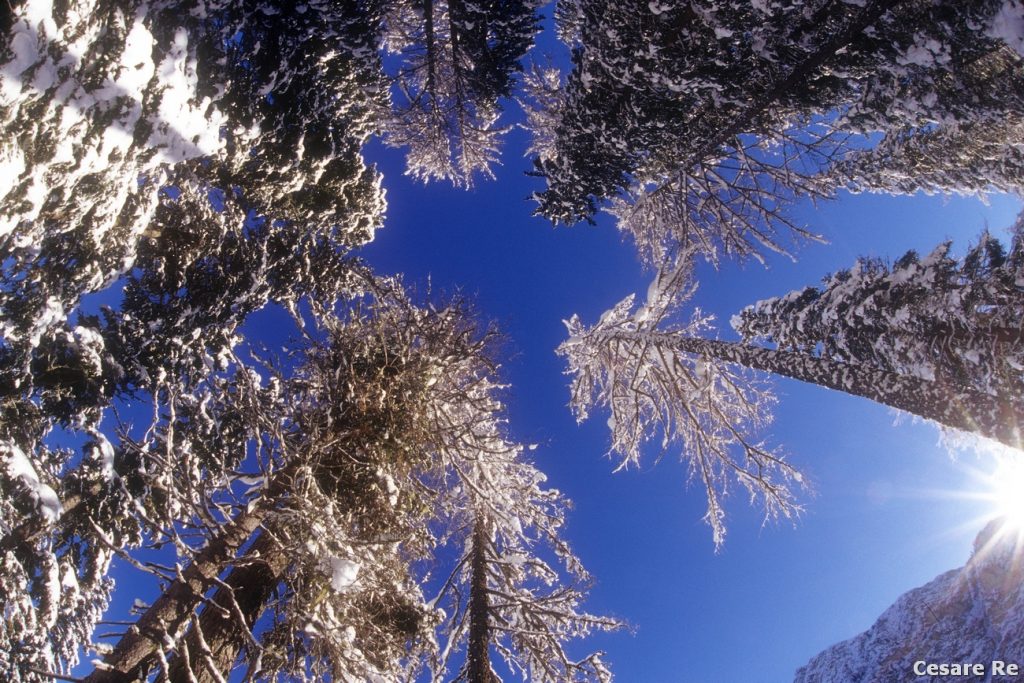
(935, 337)
(631, 363)
(699, 122)
(351, 506)
(969, 158)
(206, 159)
(955, 322)
(457, 60)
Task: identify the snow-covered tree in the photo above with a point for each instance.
(969, 158)
(457, 60)
(360, 459)
(700, 121)
(656, 378)
(93, 103)
(952, 321)
(660, 377)
(507, 594)
(105, 104)
(260, 202)
(334, 519)
(206, 160)
(975, 147)
(517, 606)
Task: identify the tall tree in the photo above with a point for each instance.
(338, 514)
(951, 321)
(106, 105)
(457, 60)
(507, 594)
(657, 376)
(968, 158)
(251, 222)
(701, 121)
(379, 420)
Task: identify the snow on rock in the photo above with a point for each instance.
(18, 466)
(971, 614)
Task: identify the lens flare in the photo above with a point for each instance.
(1007, 493)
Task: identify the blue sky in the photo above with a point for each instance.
(882, 518)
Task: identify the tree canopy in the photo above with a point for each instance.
(352, 504)
(698, 123)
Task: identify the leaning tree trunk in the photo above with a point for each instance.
(224, 624)
(133, 655)
(949, 405)
(478, 658)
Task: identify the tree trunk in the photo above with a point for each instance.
(133, 654)
(956, 407)
(478, 659)
(431, 45)
(220, 637)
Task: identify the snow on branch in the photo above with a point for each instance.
(629, 364)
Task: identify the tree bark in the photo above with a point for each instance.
(431, 45)
(478, 659)
(952, 406)
(133, 654)
(249, 585)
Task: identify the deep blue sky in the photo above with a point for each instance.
(876, 524)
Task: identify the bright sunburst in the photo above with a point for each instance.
(1007, 491)
(992, 496)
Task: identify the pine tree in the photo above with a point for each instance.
(380, 420)
(218, 239)
(656, 376)
(700, 122)
(506, 595)
(955, 322)
(338, 504)
(107, 107)
(297, 495)
(970, 158)
(458, 60)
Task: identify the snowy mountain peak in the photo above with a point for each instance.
(972, 615)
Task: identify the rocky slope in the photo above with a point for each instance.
(974, 615)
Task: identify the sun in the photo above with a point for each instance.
(992, 498)
(1007, 491)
